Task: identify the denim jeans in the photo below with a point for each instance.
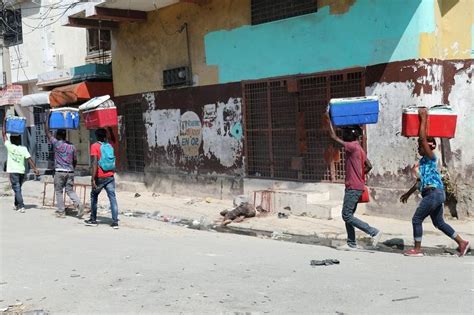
(431, 205)
(351, 198)
(65, 181)
(109, 184)
(16, 181)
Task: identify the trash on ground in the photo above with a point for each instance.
(192, 201)
(406, 298)
(137, 195)
(282, 215)
(325, 262)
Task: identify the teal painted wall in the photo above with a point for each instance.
(371, 32)
(472, 34)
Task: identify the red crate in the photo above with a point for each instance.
(441, 122)
(101, 118)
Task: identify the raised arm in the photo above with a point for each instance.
(367, 166)
(332, 133)
(111, 135)
(46, 127)
(423, 113)
(4, 128)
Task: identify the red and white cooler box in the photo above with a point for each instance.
(441, 122)
(99, 112)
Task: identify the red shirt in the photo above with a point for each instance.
(95, 151)
(355, 160)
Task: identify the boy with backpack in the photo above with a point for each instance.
(431, 187)
(103, 170)
(356, 166)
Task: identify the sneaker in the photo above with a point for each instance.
(413, 253)
(463, 248)
(114, 225)
(90, 223)
(376, 238)
(80, 211)
(60, 214)
(348, 247)
(21, 210)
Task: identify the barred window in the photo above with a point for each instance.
(264, 11)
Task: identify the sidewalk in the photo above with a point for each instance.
(205, 212)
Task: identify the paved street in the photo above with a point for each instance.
(146, 267)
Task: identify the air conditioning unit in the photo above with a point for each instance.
(177, 77)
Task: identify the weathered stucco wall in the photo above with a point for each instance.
(453, 38)
(193, 135)
(226, 48)
(418, 82)
(193, 132)
(141, 51)
(355, 33)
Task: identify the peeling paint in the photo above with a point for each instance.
(338, 6)
(381, 140)
(162, 127)
(460, 98)
(150, 99)
(219, 140)
(428, 83)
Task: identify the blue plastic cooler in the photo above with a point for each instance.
(15, 125)
(354, 111)
(64, 120)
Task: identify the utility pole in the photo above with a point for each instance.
(6, 66)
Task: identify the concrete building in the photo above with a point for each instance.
(56, 66)
(227, 96)
(46, 46)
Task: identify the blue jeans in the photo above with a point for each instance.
(351, 198)
(109, 184)
(16, 181)
(431, 205)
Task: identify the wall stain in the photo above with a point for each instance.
(336, 6)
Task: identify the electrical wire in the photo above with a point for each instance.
(43, 16)
(20, 65)
(39, 26)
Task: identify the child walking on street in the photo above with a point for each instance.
(103, 170)
(432, 191)
(355, 182)
(17, 154)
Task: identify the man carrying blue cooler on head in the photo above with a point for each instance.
(17, 154)
(65, 160)
(103, 170)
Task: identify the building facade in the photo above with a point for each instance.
(212, 92)
(55, 66)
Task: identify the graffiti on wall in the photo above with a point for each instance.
(218, 135)
(190, 134)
